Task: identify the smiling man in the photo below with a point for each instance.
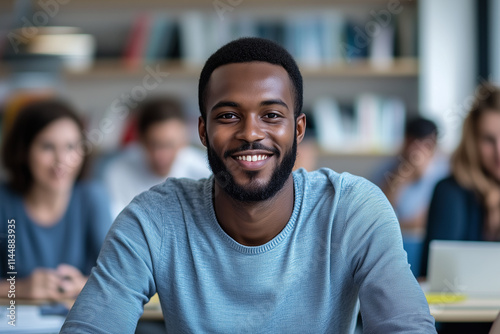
(255, 248)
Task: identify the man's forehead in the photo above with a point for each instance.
(253, 68)
(244, 76)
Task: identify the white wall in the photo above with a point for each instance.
(495, 41)
(447, 41)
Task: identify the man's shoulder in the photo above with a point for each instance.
(326, 177)
(178, 189)
(168, 201)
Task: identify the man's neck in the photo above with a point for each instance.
(254, 223)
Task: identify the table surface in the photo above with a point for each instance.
(472, 309)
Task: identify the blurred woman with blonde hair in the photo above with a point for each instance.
(476, 162)
(466, 205)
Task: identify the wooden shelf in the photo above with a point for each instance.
(115, 70)
(403, 67)
(201, 4)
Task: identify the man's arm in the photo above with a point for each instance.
(391, 300)
(113, 298)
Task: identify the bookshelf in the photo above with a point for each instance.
(94, 90)
(114, 69)
(199, 4)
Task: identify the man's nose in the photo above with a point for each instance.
(251, 129)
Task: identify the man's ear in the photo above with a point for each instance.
(300, 128)
(202, 131)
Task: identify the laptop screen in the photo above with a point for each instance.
(464, 267)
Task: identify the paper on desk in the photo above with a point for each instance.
(154, 302)
(30, 321)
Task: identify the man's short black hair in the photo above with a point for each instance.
(420, 128)
(250, 49)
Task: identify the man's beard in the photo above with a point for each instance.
(252, 193)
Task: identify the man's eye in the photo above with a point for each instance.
(272, 115)
(227, 116)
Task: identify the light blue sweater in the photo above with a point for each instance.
(342, 242)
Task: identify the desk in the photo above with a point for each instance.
(469, 310)
(472, 309)
(152, 308)
(152, 311)
(29, 320)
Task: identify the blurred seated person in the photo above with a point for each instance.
(58, 221)
(466, 205)
(14, 102)
(162, 151)
(409, 178)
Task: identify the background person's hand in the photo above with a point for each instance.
(71, 280)
(41, 284)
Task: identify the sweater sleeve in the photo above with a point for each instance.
(122, 282)
(391, 301)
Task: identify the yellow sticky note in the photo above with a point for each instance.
(444, 298)
(154, 302)
(155, 299)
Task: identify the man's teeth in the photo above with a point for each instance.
(252, 157)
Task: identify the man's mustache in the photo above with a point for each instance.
(251, 146)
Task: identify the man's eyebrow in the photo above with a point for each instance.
(232, 104)
(225, 104)
(271, 102)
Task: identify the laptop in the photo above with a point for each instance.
(464, 267)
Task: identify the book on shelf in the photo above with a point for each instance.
(193, 42)
(331, 36)
(135, 49)
(313, 37)
(373, 124)
(406, 34)
(161, 39)
(381, 52)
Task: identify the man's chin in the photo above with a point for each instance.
(253, 188)
(258, 185)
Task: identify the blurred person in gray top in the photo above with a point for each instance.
(162, 151)
(408, 179)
